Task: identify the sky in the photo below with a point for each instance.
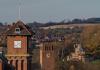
(47, 10)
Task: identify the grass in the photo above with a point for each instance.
(96, 62)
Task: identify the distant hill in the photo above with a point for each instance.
(35, 24)
(93, 20)
(74, 21)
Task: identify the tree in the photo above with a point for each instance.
(90, 38)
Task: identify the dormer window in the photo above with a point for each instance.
(17, 30)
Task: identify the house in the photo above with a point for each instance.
(78, 54)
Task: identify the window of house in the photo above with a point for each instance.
(17, 30)
(52, 48)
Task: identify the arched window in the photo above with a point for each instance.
(46, 48)
(52, 48)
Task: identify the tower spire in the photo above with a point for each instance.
(19, 10)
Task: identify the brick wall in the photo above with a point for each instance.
(10, 45)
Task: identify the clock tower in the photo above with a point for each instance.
(47, 56)
(17, 46)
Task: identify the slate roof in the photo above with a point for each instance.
(23, 29)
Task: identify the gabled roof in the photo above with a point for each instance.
(23, 29)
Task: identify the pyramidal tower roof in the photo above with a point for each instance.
(18, 28)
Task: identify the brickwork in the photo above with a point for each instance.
(16, 56)
(1, 64)
(16, 51)
(47, 59)
(17, 46)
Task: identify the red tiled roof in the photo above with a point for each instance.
(23, 29)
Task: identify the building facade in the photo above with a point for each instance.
(47, 55)
(17, 46)
(47, 59)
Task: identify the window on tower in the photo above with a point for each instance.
(17, 30)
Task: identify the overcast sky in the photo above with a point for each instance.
(48, 10)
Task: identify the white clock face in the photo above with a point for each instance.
(48, 55)
(17, 44)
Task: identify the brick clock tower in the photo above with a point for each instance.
(47, 59)
(17, 46)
